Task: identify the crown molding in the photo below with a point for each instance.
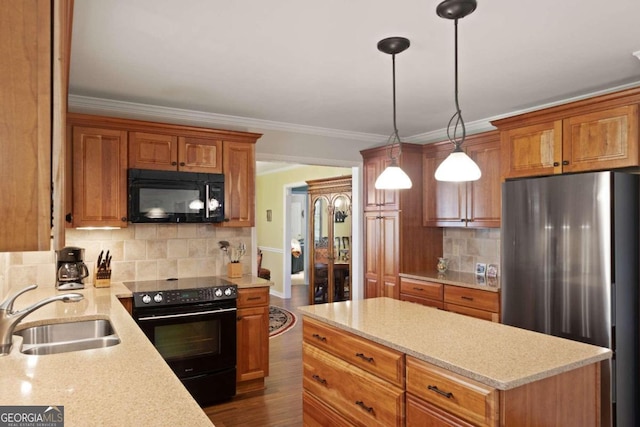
(87, 104)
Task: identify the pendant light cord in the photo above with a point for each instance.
(395, 127)
(457, 116)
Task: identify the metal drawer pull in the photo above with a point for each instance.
(253, 298)
(467, 298)
(320, 338)
(319, 379)
(363, 357)
(415, 288)
(446, 394)
(361, 404)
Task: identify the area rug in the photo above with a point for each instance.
(280, 321)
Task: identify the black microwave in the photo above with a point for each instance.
(169, 196)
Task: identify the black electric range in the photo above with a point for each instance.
(188, 290)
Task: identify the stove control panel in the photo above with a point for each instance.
(184, 296)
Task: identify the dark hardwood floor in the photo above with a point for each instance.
(281, 403)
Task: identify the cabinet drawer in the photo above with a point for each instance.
(317, 414)
(474, 298)
(424, 301)
(473, 312)
(362, 398)
(421, 288)
(250, 297)
(454, 393)
(376, 359)
(422, 413)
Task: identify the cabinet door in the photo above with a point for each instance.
(153, 151)
(377, 199)
(239, 168)
(601, 140)
(443, 202)
(199, 155)
(390, 253)
(25, 133)
(532, 150)
(99, 177)
(373, 287)
(252, 343)
(483, 206)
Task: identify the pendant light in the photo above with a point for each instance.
(457, 167)
(393, 178)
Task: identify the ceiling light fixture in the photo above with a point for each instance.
(457, 167)
(393, 178)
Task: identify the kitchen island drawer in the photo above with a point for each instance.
(362, 398)
(421, 288)
(457, 395)
(374, 358)
(474, 298)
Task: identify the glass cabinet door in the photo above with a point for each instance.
(321, 251)
(341, 247)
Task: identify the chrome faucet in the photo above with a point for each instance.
(9, 319)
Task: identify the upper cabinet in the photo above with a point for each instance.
(99, 177)
(239, 167)
(26, 94)
(375, 199)
(103, 148)
(394, 239)
(464, 204)
(593, 134)
(169, 152)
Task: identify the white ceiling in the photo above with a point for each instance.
(316, 63)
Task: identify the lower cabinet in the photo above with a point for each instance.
(472, 302)
(352, 381)
(252, 364)
(349, 380)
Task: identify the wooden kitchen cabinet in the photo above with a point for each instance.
(464, 204)
(163, 146)
(26, 95)
(394, 238)
(473, 302)
(598, 133)
(170, 152)
(252, 364)
(99, 177)
(350, 379)
(239, 167)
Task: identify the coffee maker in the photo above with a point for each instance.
(70, 268)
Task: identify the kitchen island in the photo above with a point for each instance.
(128, 384)
(437, 365)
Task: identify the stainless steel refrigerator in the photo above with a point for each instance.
(570, 264)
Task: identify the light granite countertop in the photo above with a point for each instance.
(456, 278)
(497, 355)
(128, 384)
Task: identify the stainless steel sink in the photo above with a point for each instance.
(70, 336)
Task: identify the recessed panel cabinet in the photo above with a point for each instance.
(394, 237)
(464, 204)
(599, 133)
(158, 146)
(99, 177)
(252, 365)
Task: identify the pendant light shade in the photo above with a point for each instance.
(393, 177)
(458, 167)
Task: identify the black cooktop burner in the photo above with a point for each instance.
(176, 284)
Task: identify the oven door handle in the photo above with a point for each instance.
(195, 313)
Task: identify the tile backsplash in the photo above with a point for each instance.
(464, 247)
(140, 252)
